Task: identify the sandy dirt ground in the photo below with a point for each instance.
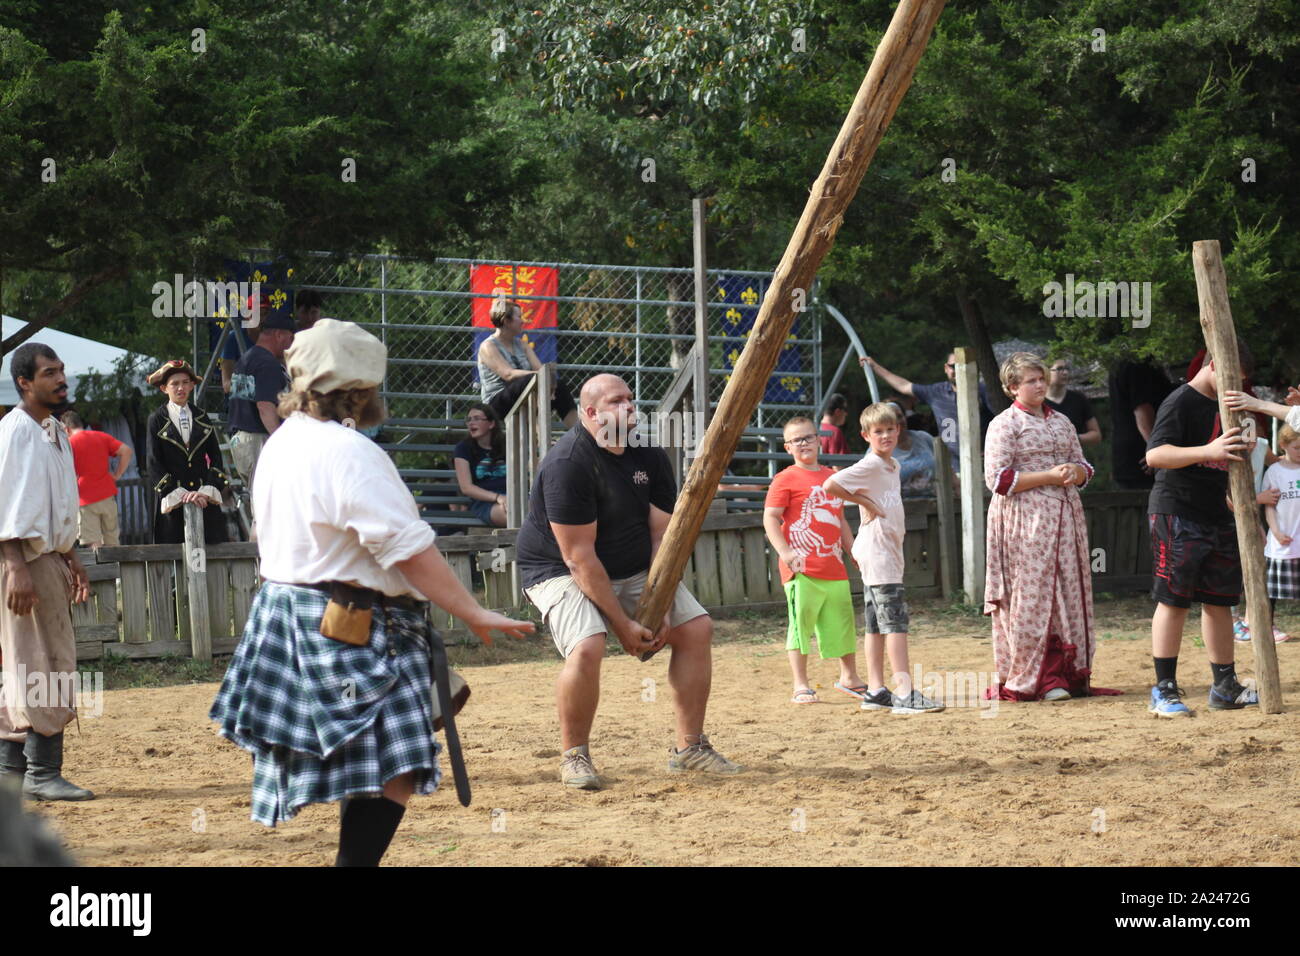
(1082, 782)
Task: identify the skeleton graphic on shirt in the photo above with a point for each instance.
(818, 506)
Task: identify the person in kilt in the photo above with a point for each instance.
(347, 717)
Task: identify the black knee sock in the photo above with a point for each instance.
(1166, 669)
(366, 829)
(1223, 672)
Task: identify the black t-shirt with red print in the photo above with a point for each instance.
(1198, 492)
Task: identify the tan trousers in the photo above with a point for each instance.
(40, 655)
(97, 523)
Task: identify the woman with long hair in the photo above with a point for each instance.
(480, 462)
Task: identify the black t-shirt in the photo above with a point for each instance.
(578, 483)
(1132, 384)
(259, 377)
(1076, 407)
(485, 469)
(1198, 492)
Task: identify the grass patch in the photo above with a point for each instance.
(122, 673)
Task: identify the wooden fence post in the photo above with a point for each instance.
(972, 477)
(947, 519)
(196, 583)
(1221, 343)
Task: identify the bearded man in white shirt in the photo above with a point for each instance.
(39, 577)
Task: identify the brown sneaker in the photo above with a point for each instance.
(701, 757)
(577, 770)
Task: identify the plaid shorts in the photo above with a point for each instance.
(326, 720)
(1284, 578)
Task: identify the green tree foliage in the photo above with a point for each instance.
(172, 150)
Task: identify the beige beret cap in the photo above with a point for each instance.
(335, 355)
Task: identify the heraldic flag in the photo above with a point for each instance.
(744, 295)
(518, 282)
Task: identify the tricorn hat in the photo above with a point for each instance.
(159, 378)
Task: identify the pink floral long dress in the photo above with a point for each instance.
(1039, 585)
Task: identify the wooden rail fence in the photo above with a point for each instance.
(140, 605)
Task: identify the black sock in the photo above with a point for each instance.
(1166, 669)
(366, 830)
(1223, 672)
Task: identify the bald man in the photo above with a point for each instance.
(596, 515)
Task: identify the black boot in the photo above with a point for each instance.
(44, 780)
(365, 830)
(12, 762)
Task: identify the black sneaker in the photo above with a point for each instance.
(880, 700)
(1230, 694)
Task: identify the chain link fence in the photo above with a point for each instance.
(637, 322)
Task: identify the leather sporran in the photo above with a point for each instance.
(348, 615)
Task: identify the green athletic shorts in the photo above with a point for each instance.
(824, 609)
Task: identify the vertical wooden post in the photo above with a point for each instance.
(874, 106)
(196, 583)
(972, 476)
(700, 405)
(1221, 343)
(947, 519)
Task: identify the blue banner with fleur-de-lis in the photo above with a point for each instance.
(275, 278)
(744, 295)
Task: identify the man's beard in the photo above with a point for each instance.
(58, 404)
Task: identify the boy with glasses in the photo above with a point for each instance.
(807, 529)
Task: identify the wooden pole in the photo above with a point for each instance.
(700, 393)
(947, 519)
(196, 583)
(972, 476)
(1221, 343)
(874, 106)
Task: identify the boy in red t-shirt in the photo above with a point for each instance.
(96, 485)
(809, 533)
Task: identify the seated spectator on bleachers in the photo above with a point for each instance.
(480, 462)
(915, 456)
(506, 363)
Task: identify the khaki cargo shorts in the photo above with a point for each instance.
(573, 617)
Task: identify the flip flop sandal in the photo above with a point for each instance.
(859, 693)
(808, 693)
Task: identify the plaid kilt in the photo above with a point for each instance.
(326, 720)
(1284, 578)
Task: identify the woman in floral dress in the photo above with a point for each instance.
(1039, 588)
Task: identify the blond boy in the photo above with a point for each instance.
(872, 484)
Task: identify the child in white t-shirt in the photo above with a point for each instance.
(1282, 551)
(873, 484)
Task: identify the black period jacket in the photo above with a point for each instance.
(174, 464)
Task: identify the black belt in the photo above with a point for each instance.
(402, 602)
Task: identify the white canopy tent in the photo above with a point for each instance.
(79, 356)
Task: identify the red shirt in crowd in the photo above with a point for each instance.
(811, 522)
(91, 451)
(832, 438)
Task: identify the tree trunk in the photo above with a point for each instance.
(978, 333)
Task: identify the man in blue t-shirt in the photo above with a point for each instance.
(255, 387)
(942, 399)
(598, 510)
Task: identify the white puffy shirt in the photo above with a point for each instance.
(330, 506)
(38, 485)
